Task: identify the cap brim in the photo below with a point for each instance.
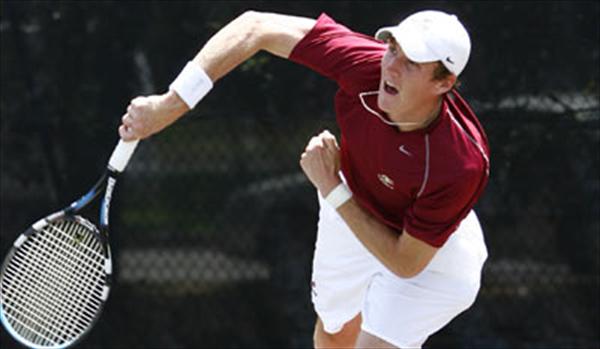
(411, 42)
(384, 34)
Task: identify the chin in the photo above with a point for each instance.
(384, 102)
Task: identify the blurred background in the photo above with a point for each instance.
(214, 223)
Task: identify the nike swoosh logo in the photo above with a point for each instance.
(449, 60)
(402, 148)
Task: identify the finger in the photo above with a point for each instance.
(330, 143)
(326, 135)
(137, 101)
(133, 112)
(329, 139)
(314, 142)
(125, 133)
(126, 120)
(130, 134)
(304, 162)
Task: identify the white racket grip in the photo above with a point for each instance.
(121, 155)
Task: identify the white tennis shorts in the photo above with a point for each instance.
(347, 280)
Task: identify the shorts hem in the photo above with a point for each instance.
(338, 324)
(394, 342)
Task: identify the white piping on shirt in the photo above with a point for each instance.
(426, 174)
(362, 95)
(479, 147)
(385, 121)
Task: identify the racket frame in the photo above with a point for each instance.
(116, 164)
(107, 183)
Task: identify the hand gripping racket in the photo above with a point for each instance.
(57, 276)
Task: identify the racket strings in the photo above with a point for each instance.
(45, 290)
(66, 262)
(89, 245)
(61, 294)
(45, 308)
(59, 262)
(53, 286)
(33, 286)
(37, 314)
(70, 274)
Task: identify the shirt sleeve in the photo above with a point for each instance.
(436, 215)
(351, 59)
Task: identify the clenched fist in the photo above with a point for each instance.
(320, 161)
(148, 115)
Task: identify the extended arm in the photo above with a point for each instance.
(228, 48)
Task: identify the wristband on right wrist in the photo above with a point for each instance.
(192, 84)
(339, 195)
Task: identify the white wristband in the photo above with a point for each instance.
(192, 84)
(338, 196)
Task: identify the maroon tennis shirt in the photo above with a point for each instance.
(424, 181)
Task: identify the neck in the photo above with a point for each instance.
(423, 117)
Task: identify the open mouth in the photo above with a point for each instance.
(389, 88)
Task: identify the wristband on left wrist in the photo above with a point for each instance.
(339, 196)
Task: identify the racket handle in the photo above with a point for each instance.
(121, 155)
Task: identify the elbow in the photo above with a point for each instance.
(252, 24)
(406, 273)
(250, 16)
(253, 21)
(407, 270)
(410, 256)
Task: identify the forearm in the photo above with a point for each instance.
(228, 48)
(380, 240)
(400, 253)
(243, 37)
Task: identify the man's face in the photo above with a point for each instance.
(405, 86)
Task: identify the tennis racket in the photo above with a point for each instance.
(57, 276)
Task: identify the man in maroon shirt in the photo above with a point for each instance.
(399, 250)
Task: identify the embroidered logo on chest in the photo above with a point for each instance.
(387, 181)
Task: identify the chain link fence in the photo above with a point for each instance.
(213, 222)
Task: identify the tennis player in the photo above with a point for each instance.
(399, 250)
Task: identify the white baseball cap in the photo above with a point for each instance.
(430, 36)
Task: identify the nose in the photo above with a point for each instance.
(392, 66)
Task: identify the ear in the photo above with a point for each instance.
(445, 85)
